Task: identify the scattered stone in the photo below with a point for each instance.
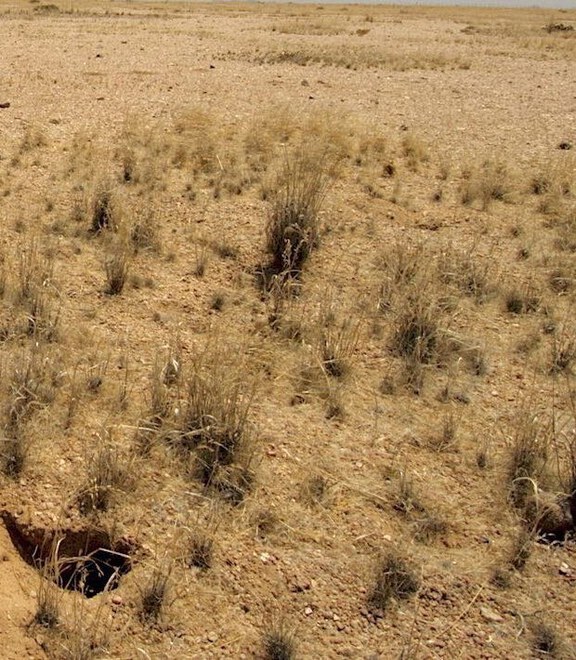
(564, 569)
(305, 83)
(117, 600)
(565, 145)
(308, 611)
(212, 636)
(490, 615)
(5, 105)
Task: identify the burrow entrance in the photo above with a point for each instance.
(86, 560)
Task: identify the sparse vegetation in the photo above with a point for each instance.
(395, 578)
(546, 640)
(155, 595)
(279, 643)
(293, 228)
(281, 300)
(108, 475)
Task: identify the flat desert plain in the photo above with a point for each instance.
(287, 331)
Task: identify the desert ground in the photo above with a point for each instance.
(287, 331)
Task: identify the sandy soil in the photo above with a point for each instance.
(209, 102)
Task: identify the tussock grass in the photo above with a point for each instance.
(528, 456)
(337, 336)
(523, 300)
(31, 384)
(522, 547)
(279, 643)
(47, 613)
(117, 267)
(314, 490)
(155, 595)
(108, 475)
(293, 227)
(470, 273)
(415, 151)
(103, 209)
(200, 549)
(394, 578)
(490, 181)
(547, 641)
(215, 438)
(144, 235)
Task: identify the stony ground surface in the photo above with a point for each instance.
(439, 133)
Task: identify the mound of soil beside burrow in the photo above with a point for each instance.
(84, 559)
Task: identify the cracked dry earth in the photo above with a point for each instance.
(447, 141)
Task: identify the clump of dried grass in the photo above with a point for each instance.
(215, 438)
(490, 181)
(293, 227)
(528, 456)
(108, 475)
(279, 643)
(394, 578)
(155, 595)
(117, 267)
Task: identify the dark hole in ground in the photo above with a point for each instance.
(85, 560)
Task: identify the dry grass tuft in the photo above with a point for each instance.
(293, 228)
(415, 151)
(394, 577)
(216, 439)
(279, 643)
(522, 548)
(155, 595)
(200, 549)
(528, 457)
(547, 641)
(524, 300)
(491, 181)
(117, 267)
(108, 474)
(47, 613)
